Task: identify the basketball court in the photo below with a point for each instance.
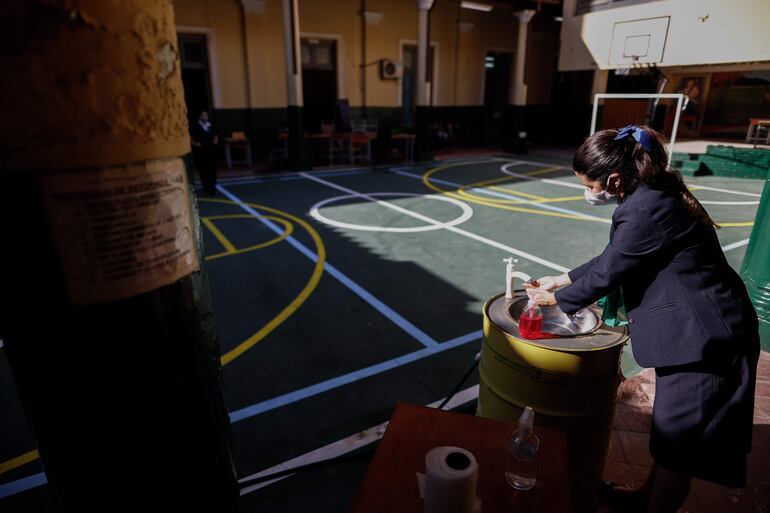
(339, 293)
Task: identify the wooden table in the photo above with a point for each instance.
(244, 144)
(408, 144)
(390, 484)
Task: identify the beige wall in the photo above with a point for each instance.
(460, 56)
(700, 32)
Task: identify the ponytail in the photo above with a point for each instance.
(638, 154)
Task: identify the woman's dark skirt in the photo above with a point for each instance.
(703, 415)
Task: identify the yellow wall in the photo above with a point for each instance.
(223, 18)
(460, 56)
(267, 72)
(700, 32)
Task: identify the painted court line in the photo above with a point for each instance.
(729, 191)
(22, 485)
(507, 171)
(347, 445)
(533, 203)
(378, 305)
(735, 245)
(454, 229)
(27, 483)
(255, 180)
(351, 377)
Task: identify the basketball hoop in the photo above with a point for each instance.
(624, 69)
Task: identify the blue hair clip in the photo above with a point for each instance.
(637, 133)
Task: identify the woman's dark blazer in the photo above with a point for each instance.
(684, 302)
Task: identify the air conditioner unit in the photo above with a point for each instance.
(390, 69)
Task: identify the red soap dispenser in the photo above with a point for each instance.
(531, 321)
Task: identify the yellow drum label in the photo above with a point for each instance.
(123, 230)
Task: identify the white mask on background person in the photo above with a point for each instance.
(600, 198)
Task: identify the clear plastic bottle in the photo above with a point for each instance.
(522, 450)
(531, 321)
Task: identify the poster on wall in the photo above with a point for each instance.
(734, 98)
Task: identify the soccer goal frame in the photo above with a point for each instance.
(679, 97)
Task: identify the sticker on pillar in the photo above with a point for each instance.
(123, 230)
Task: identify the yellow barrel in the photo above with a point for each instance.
(570, 382)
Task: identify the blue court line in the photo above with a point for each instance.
(422, 337)
(33, 481)
(245, 181)
(346, 379)
(22, 485)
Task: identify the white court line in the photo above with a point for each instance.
(587, 217)
(507, 171)
(707, 202)
(367, 296)
(729, 191)
(467, 213)
(576, 186)
(542, 206)
(346, 445)
(453, 229)
(735, 245)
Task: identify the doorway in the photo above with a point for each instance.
(319, 82)
(194, 58)
(497, 75)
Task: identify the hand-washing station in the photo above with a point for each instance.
(569, 377)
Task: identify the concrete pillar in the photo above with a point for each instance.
(516, 126)
(298, 158)
(105, 308)
(422, 111)
(599, 86)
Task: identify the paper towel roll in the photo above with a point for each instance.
(451, 474)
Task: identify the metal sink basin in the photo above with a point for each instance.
(556, 322)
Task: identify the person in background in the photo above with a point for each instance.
(204, 148)
(689, 315)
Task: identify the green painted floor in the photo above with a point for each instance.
(338, 294)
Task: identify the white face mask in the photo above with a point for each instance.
(601, 198)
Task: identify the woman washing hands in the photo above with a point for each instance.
(689, 315)
(541, 290)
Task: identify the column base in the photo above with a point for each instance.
(298, 157)
(422, 151)
(516, 137)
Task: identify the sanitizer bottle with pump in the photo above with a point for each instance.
(522, 449)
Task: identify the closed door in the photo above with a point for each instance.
(497, 72)
(319, 82)
(194, 60)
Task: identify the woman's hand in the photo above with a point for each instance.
(541, 297)
(548, 283)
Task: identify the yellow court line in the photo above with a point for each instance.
(288, 229)
(559, 199)
(292, 307)
(524, 209)
(284, 314)
(748, 223)
(18, 461)
(518, 193)
(426, 181)
(229, 248)
(543, 171)
(498, 180)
